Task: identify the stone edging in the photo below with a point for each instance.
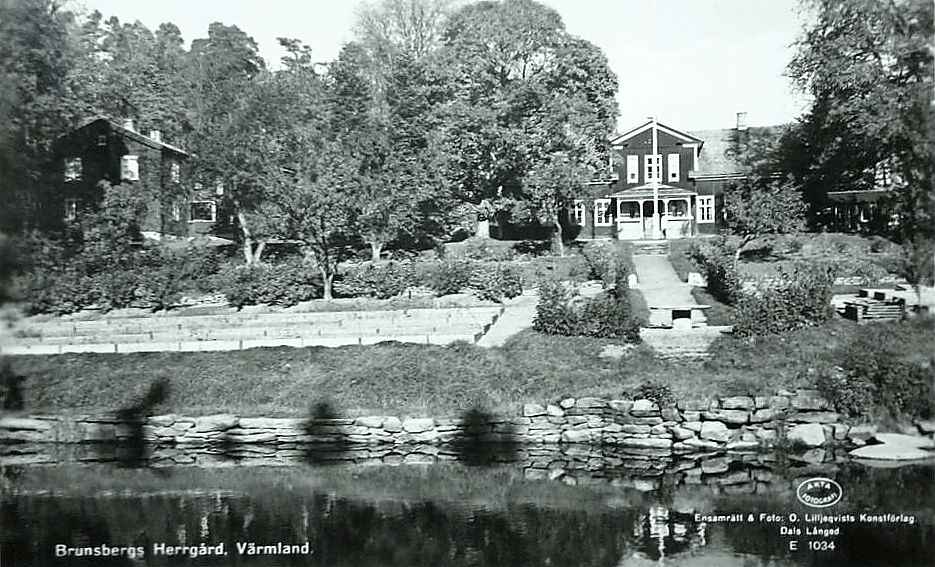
(738, 423)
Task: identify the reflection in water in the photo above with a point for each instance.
(131, 449)
(477, 444)
(447, 515)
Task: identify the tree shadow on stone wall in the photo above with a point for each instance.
(484, 440)
(131, 449)
(329, 442)
(12, 397)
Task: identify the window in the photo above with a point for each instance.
(73, 169)
(578, 213)
(705, 208)
(678, 208)
(653, 168)
(204, 211)
(176, 212)
(633, 169)
(175, 172)
(673, 167)
(628, 210)
(602, 213)
(102, 140)
(72, 208)
(130, 168)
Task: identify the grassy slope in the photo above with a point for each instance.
(406, 379)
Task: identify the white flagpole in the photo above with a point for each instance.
(655, 183)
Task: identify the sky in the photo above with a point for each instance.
(693, 64)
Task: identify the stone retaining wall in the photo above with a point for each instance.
(635, 427)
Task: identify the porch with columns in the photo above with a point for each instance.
(636, 212)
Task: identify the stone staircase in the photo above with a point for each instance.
(650, 247)
(240, 330)
(682, 343)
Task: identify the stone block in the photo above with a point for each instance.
(392, 425)
(779, 402)
(657, 430)
(760, 402)
(622, 406)
(694, 425)
(808, 434)
(647, 443)
(682, 433)
(766, 414)
(692, 405)
(715, 465)
(926, 427)
(736, 417)
(738, 403)
(554, 410)
(671, 414)
(715, 431)
(219, 422)
(861, 433)
(691, 415)
(533, 410)
(644, 408)
(567, 403)
(577, 436)
(590, 403)
(371, 422)
(743, 445)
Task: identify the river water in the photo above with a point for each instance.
(580, 508)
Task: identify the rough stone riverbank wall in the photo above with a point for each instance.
(639, 427)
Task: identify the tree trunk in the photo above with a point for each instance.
(247, 238)
(483, 229)
(328, 282)
(376, 248)
(258, 252)
(558, 244)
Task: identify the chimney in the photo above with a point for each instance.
(128, 124)
(155, 135)
(741, 121)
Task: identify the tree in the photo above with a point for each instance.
(868, 66)
(769, 207)
(41, 93)
(526, 96)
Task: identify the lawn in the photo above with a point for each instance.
(870, 258)
(421, 380)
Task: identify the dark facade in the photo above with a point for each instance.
(104, 151)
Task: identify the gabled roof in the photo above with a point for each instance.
(132, 134)
(718, 158)
(685, 137)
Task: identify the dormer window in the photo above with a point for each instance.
(72, 169)
(130, 168)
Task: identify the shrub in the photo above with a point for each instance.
(800, 298)
(381, 281)
(450, 276)
(656, 392)
(599, 260)
(494, 282)
(555, 314)
(284, 284)
(561, 311)
(717, 263)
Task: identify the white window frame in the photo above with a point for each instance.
(73, 169)
(602, 213)
(175, 171)
(705, 205)
(579, 213)
(213, 207)
(652, 168)
(72, 209)
(176, 212)
(673, 165)
(130, 168)
(633, 168)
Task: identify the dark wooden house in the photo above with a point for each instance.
(664, 183)
(104, 151)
